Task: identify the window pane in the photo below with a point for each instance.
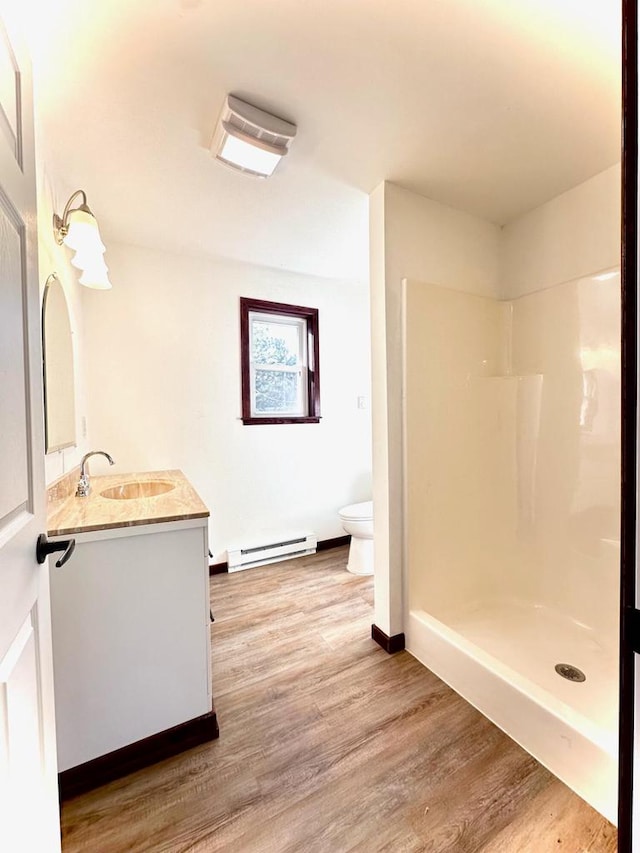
(278, 341)
(276, 392)
(275, 343)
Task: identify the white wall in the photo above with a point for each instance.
(573, 235)
(429, 242)
(163, 371)
(388, 583)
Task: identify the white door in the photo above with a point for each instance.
(29, 819)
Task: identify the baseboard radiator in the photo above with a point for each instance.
(271, 552)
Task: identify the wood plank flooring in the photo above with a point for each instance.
(329, 745)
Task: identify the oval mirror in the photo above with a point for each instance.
(57, 353)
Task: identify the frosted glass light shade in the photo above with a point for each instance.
(84, 259)
(247, 155)
(96, 282)
(96, 276)
(83, 235)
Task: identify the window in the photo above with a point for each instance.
(280, 363)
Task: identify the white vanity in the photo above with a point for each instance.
(130, 618)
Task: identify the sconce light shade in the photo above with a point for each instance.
(95, 280)
(83, 235)
(249, 139)
(85, 257)
(96, 276)
(78, 229)
(80, 260)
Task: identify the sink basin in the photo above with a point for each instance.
(139, 489)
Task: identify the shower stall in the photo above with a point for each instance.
(511, 512)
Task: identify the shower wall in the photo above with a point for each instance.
(460, 511)
(569, 535)
(512, 422)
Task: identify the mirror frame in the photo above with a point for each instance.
(52, 279)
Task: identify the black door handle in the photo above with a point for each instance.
(44, 548)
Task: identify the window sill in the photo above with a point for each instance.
(253, 421)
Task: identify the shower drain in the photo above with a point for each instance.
(572, 673)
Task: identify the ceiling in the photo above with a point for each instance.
(492, 107)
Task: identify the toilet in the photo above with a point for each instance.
(357, 519)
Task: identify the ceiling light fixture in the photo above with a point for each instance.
(78, 229)
(249, 139)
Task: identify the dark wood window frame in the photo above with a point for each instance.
(313, 347)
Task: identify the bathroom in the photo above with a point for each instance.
(165, 340)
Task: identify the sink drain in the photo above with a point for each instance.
(571, 673)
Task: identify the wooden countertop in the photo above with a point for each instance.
(69, 514)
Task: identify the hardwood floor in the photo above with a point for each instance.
(328, 745)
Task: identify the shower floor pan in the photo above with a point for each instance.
(502, 657)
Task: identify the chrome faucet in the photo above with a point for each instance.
(84, 486)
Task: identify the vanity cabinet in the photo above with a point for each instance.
(131, 636)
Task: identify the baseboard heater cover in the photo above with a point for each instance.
(272, 552)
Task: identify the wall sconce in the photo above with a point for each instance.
(249, 139)
(78, 229)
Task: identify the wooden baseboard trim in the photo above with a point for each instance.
(218, 569)
(391, 645)
(135, 756)
(336, 542)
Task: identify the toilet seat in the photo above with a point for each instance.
(357, 512)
